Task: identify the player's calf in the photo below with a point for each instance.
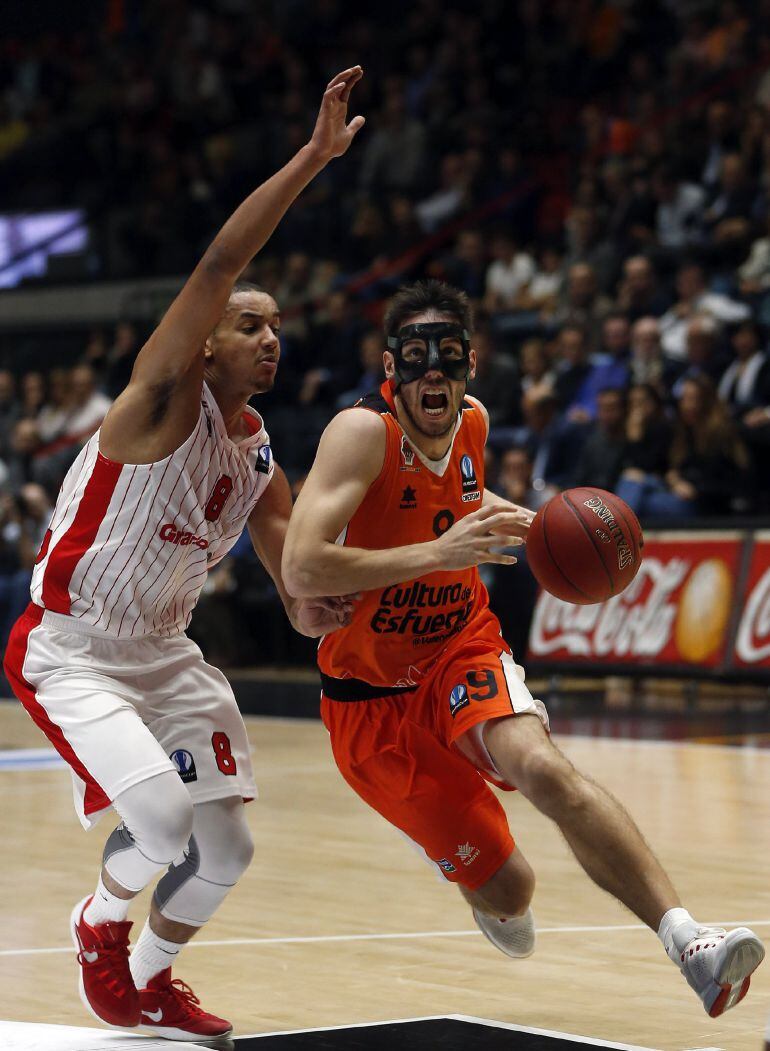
(501, 907)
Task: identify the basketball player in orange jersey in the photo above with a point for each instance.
(100, 659)
(421, 695)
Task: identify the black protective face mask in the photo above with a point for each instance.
(431, 357)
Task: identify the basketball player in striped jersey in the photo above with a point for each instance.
(100, 659)
(421, 696)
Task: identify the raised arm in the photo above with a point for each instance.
(169, 368)
(349, 459)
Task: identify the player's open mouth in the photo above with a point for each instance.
(434, 402)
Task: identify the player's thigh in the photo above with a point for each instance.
(191, 709)
(423, 787)
(88, 715)
(474, 688)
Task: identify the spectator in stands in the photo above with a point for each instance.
(509, 273)
(705, 356)
(449, 198)
(541, 293)
(602, 455)
(754, 273)
(572, 368)
(727, 219)
(679, 212)
(9, 410)
(647, 363)
(553, 445)
(708, 464)
(583, 304)
(745, 384)
(120, 358)
(695, 298)
(586, 244)
(370, 377)
(395, 153)
(648, 440)
(639, 292)
(722, 139)
(466, 266)
(535, 368)
(338, 334)
(32, 395)
(514, 480)
(496, 383)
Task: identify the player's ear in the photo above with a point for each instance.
(472, 364)
(208, 351)
(390, 364)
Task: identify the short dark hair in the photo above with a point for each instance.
(246, 286)
(427, 295)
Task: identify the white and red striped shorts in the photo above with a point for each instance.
(122, 710)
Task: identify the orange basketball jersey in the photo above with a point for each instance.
(398, 632)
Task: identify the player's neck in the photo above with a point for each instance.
(433, 448)
(232, 405)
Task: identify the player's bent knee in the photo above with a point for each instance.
(159, 815)
(224, 839)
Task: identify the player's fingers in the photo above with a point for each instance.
(345, 75)
(503, 521)
(355, 125)
(500, 559)
(350, 83)
(487, 511)
(504, 541)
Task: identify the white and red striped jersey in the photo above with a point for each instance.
(129, 545)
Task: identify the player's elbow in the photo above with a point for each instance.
(299, 579)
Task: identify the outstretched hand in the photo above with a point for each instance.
(332, 135)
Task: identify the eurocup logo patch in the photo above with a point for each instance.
(470, 486)
(185, 764)
(458, 699)
(264, 459)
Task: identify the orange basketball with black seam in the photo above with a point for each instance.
(585, 545)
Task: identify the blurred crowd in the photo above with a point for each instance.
(595, 174)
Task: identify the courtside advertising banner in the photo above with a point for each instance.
(678, 613)
(752, 640)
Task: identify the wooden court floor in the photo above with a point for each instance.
(338, 921)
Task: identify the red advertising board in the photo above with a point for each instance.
(676, 613)
(752, 640)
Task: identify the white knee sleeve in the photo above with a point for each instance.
(219, 851)
(157, 821)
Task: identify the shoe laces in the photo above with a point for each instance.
(107, 954)
(703, 938)
(184, 996)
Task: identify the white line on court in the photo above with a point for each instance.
(401, 936)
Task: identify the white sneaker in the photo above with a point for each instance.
(718, 966)
(515, 936)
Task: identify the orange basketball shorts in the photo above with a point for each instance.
(420, 761)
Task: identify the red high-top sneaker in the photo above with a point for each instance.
(106, 986)
(172, 1010)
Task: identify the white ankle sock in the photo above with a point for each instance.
(677, 928)
(151, 955)
(105, 907)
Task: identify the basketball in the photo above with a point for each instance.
(584, 546)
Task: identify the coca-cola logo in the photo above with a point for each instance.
(637, 623)
(752, 644)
